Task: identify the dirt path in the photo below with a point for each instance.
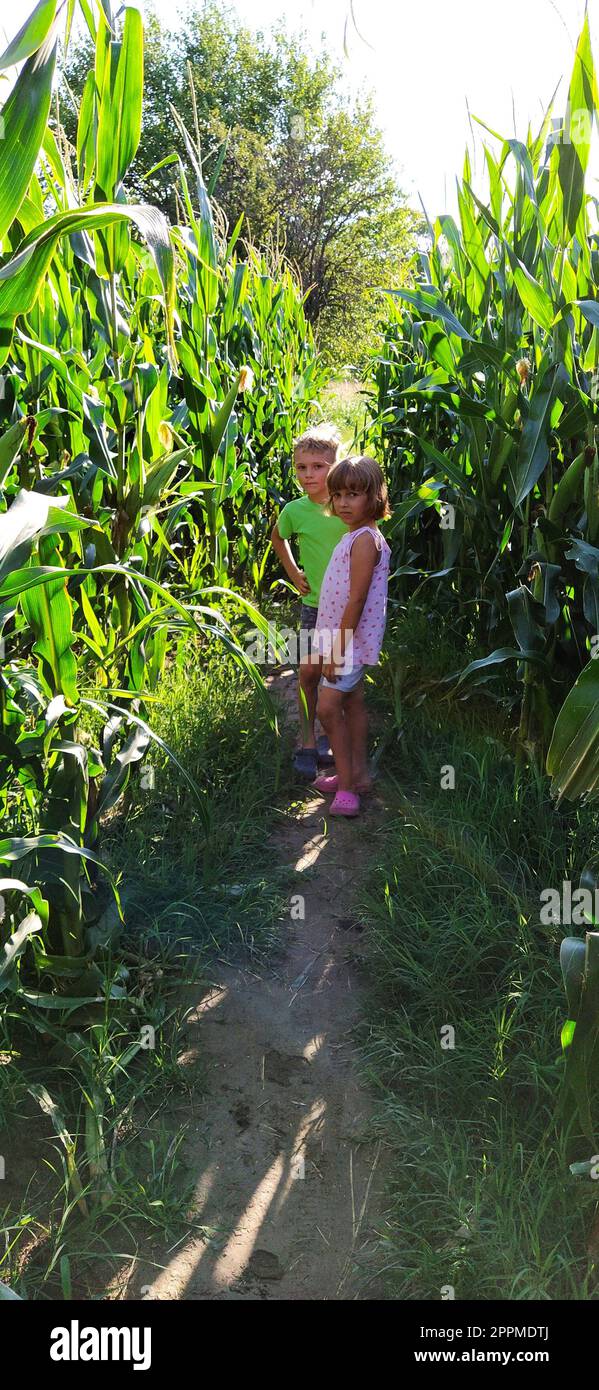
(282, 1175)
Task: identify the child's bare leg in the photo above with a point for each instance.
(331, 713)
(309, 676)
(356, 716)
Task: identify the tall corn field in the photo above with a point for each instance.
(151, 381)
(484, 406)
(152, 378)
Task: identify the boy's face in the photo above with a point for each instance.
(312, 469)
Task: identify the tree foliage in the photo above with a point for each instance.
(299, 158)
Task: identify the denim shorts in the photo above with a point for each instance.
(347, 682)
(307, 624)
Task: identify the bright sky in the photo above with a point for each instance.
(427, 61)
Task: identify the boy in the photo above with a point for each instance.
(314, 454)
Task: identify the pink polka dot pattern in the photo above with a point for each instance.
(334, 595)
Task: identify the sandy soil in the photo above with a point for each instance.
(285, 1184)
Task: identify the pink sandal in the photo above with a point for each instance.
(329, 785)
(326, 784)
(345, 804)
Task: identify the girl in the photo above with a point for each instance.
(350, 624)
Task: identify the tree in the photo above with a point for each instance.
(304, 164)
(347, 227)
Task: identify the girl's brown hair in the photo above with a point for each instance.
(361, 474)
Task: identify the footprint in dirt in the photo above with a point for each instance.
(349, 924)
(282, 1069)
(262, 1264)
(241, 1115)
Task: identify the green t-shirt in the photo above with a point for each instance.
(317, 534)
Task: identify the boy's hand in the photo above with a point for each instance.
(298, 578)
(329, 670)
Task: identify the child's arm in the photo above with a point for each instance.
(363, 558)
(282, 548)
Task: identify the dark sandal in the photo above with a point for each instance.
(324, 752)
(305, 762)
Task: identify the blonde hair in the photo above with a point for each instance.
(362, 474)
(321, 439)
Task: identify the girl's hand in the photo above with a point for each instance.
(329, 670)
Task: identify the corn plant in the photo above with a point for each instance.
(484, 407)
(580, 1032)
(137, 468)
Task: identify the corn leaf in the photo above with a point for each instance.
(581, 1042)
(22, 277)
(49, 613)
(31, 36)
(533, 454)
(14, 948)
(32, 514)
(50, 1108)
(533, 296)
(24, 116)
(571, 154)
(119, 114)
(429, 301)
(10, 447)
(572, 756)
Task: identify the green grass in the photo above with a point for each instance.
(213, 884)
(57, 1230)
(344, 405)
(193, 889)
(480, 1195)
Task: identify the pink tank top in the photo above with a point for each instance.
(334, 595)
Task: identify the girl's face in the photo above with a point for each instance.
(351, 507)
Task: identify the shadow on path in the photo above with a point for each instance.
(283, 1178)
